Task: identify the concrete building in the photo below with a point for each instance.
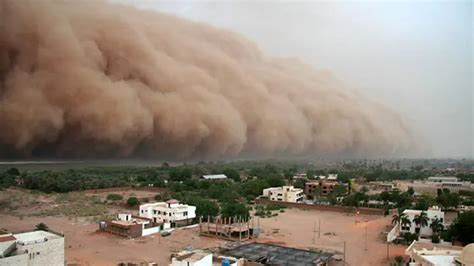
(128, 225)
(192, 258)
(428, 254)
(320, 187)
(285, 193)
(172, 212)
(331, 177)
(467, 256)
(300, 176)
(31, 249)
(269, 254)
(432, 213)
(214, 177)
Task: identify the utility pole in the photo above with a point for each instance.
(319, 228)
(366, 237)
(388, 252)
(344, 258)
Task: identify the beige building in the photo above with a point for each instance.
(319, 187)
(285, 193)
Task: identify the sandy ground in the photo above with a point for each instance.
(126, 194)
(85, 246)
(295, 228)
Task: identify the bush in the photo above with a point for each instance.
(399, 259)
(158, 197)
(435, 238)
(132, 201)
(114, 197)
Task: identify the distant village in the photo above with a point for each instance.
(422, 225)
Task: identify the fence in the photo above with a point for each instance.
(345, 209)
(118, 189)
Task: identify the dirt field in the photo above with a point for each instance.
(292, 228)
(295, 228)
(85, 246)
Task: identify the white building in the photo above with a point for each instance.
(300, 176)
(132, 226)
(32, 248)
(171, 212)
(428, 254)
(192, 258)
(203, 258)
(432, 213)
(214, 177)
(328, 177)
(285, 193)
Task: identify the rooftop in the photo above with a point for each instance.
(7, 237)
(278, 255)
(219, 176)
(35, 236)
(192, 256)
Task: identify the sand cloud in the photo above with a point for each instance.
(87, 78)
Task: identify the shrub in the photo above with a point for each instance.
(132, 201)
(435, 238)
(41, 227)
(399, 259)
(114, 197)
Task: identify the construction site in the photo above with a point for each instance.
(230, 228)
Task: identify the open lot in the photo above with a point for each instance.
(294, 228)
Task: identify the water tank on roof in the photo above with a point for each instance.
(225, 262)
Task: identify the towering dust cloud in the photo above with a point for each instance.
(87, 78)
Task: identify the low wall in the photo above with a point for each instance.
(345, 209)
(118, 189)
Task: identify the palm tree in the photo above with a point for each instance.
(398, 218)
(436, 225)
(421, 221)
(405, 221)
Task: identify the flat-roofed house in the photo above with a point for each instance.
(285, 193)
(214, 177)
(170, 212)
(429, 254)
(192, 258)
(31, 249)
(128, 225)
(432, 213)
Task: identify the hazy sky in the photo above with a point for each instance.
(414, 56)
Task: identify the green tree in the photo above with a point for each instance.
(41, 227)
(421, 221)
(235, 209)
(132, 201)
(13, 171)
(204, 207)
(436, 225)
(397, 218)
(462, 229)
(114, 197)
(232, 174)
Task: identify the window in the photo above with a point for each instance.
(185, 213)
(154, 211)
(142, 211)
